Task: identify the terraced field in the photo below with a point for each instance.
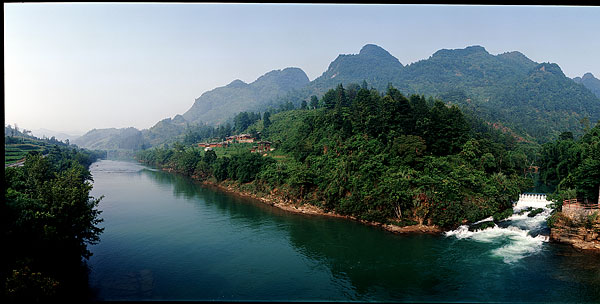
(17, 151)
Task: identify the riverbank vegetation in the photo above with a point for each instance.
(376, 156)
(573, 166)
(48, 219)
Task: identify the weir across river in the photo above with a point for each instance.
(537, 200)
(573, 208)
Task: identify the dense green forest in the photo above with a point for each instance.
(573, 166)
(48, 219)
(381, 157)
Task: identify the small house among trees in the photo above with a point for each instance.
(240, 138)
(263, 146)
(214, 144)
(532, 169)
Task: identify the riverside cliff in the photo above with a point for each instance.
(577, 226)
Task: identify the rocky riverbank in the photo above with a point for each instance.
(581, 232)
(276, 200)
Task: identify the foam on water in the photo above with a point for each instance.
(519, 235)
(520, 244)
(487, 219)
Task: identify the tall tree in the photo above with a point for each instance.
(303, 105)
(266, 119)
(329, 99)
(314, 102)
(340, 96)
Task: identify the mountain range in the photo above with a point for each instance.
(535, 100)
(112, 139)
(41, 133)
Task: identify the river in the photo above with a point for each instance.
(169, 238)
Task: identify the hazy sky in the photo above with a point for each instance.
(74, 67)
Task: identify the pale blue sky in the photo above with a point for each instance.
(74, 67)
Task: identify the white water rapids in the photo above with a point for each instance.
(517, 236)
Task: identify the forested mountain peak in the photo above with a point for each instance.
(372, 63)
(588, 76)
(515, 55)
(547, 67)
(468, 51)
(179, 119)
(370, 53)
(517, 58)
(372, 50)
(237, 84)
(461, 69)
(286, 79)
(112, 138)
(217, 105)
(590, 82)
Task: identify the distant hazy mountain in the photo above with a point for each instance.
(220, 104)
(166, 130)
(589, 81)
(41, 133)
(112, 139)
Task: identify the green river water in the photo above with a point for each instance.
(169, 238)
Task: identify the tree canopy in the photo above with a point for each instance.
(48, 219)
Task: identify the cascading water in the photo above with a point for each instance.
(517, 236)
